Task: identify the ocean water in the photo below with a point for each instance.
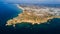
(9, 11)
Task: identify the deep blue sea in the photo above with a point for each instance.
(9, 11)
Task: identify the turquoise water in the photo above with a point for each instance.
(9, 11)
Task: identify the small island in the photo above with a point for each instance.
(34, 14)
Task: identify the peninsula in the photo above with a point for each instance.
(34, 14)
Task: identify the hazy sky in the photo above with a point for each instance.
(32, 1)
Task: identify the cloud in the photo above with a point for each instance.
(32, 1)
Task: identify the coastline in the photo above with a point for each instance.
(30, 19)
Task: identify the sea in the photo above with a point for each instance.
(9, 11)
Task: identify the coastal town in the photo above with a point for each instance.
(34, 14)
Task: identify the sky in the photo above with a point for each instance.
(32, 1)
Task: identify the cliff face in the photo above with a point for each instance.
(35, 14)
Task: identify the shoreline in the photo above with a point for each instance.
(26, 16)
